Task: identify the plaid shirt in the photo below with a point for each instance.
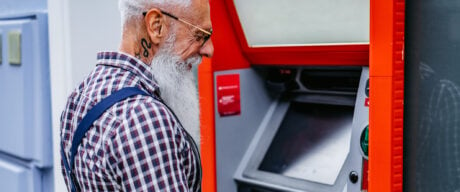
(137, 144)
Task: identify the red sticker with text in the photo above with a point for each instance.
(228, 94)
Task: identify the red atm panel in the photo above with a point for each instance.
(232, 52)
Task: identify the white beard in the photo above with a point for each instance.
(178, 89)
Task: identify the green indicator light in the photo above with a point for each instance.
(365, 141)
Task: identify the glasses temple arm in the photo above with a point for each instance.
(188, 23)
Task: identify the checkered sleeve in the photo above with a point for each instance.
(146, 151)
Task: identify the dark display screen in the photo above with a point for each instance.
(312, 142)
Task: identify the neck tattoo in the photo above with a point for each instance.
(146, 45)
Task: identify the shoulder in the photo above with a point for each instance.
(146, 109)
(144, 116)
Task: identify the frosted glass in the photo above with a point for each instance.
(304, 22)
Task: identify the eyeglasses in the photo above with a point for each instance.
(205, 35)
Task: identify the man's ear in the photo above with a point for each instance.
(155, 25)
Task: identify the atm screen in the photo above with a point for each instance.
(312, 142)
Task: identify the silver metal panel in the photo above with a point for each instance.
(350, 160)
(360, 121)
(249, 170)
(325, 143)
(234, 133)
(238, 139)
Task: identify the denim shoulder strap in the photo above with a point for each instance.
(93, 114)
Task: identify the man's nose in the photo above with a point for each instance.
(207, 49)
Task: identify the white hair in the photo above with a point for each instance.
(132, 9)
(177, 86)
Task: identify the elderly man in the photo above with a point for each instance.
(133, 124)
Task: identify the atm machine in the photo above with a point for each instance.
(285, 98)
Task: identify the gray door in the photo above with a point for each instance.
(432, 96)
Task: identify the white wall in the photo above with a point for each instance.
(94, 26)
(77, 31)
